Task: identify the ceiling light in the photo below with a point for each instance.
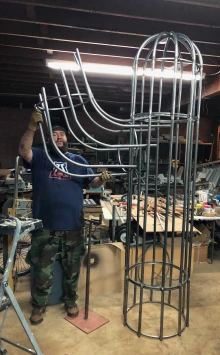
(117, 70)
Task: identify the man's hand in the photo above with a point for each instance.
(105, 176)
(36, 117)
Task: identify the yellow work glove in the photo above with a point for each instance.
(36, 117)
(105, 176)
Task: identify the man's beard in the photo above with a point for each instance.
(63, 149)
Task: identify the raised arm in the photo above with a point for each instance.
(27, 140)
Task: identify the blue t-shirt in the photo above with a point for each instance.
(58, 197)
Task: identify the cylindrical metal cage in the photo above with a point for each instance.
(157, 275)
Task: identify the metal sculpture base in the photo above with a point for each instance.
(93, 322)
(153, 302)
(87, 320)
(152, 314)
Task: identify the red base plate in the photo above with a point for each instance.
(93, 322)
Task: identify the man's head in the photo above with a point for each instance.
(60, 138)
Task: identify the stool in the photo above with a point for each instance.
(18, 228)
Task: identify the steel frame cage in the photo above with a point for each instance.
(179, 55)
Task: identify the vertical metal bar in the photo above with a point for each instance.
(88, 273)
(16, 179)
(168, 187)
(157, 171)
(187, 176)
(140, 315)
(185, 224)
(127, 246)
(139, 184)
(113, 222)
(129, 193)
(198, 96)
(175, 182)
(146, 183)
(213, 241)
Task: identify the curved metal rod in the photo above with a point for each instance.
(68, 125)
(64, 96)
(66, 159)
(96, 123)
(49, 127)
(75, 137)
(73, 134)
(82, 129)
(87, 113)
(119, 159)
(134, 74)
(98, 109)
(89, 91)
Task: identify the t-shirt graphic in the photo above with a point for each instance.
(58, 197)
(57, 174)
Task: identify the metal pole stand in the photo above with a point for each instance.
(157, 278)
(18, 228)
(87, 320)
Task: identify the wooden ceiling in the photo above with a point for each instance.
(104, 32)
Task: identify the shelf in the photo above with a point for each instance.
(165, 163)
(179, 142)
(81, 144)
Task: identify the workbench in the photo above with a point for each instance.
(90, 193)
(213, 220)
(107, 209)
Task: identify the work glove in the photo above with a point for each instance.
(105, 176)
(36, 117)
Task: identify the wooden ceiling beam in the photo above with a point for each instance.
(90, 48)
(125, 40)
(17, 61)
(211, 88)
(29, 54)
(162, 10)
(211, 3)
(200, 26)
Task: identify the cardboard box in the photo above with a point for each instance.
(217, 210)
(159, 258)
(88, 150)
(106, 269)
(204, 236)
(93, 210)
(200, 253)
(4, 172)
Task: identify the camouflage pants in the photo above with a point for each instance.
(44, 247)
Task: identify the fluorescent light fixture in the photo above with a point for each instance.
(117, 70)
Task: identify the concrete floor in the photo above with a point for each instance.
(56, 336)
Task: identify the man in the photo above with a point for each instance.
(58, 202)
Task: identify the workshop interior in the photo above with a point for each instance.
(135, 87)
